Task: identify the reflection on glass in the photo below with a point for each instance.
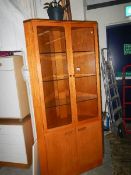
(84, 63)
(52, 48)
(85, 72)
(87, 109)
(56, 93)
(58, 116)
(83, 39)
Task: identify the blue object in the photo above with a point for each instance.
(55, 13)
(107, 121)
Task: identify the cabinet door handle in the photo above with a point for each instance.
(68, 132)
(72, 75)
(82, 129)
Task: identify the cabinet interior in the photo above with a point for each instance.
(55, 74)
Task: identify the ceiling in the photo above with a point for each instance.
(93, 4)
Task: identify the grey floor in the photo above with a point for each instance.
(15, 171)
(104, 169)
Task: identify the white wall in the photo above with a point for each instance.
(77, 9)
(106, 16)
(12, 38)
(11, 30)
(12, 14)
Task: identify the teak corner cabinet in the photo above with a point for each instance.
(63, 60)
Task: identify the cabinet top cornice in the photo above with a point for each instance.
(45, 21)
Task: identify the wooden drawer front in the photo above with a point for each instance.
(6, 63)
(12, 144)
(11, 130)
(12, 149)
(13, 158)
(13, 153)
(14, 139)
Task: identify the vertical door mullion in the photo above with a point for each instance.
(69, 52)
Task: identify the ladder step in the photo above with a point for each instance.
(115, 97)
(113, 85)
(118, 109)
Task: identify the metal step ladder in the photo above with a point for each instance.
(113, 103)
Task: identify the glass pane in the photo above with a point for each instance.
(85, 88)
(54, 66)
(56, 93)
(58, 116)
(84, 64)
(83, 39)
(85, 72)
(86, 95)
(54, 76)
(51, 39)
(87, 109)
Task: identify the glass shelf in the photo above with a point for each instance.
(84, 75)
(85, 97)
(58, 116)
(51, 39)
(83, 53)
(56, 78)
(56, 93)
(53, 53)
(57, 102)
(84, 63)
(54, 67)
(81, 37)
(87, 109)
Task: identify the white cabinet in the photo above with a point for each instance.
(12, 144)
(16, 142)
(16, 138)
(13, 93)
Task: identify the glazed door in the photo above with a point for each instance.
(84, 58)
(55, 76)
(88, 127)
